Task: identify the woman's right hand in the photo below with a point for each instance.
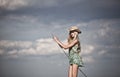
(55, 38)
(57, 41)
(75, 35)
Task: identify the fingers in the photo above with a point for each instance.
(54, 37)
(75, 35)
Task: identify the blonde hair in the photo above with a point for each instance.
(70, 39)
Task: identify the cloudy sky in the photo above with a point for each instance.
(27, 48)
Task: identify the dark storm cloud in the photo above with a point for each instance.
(77, 10)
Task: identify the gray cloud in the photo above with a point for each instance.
(11, 44)
(96, 34)
(95, 39)
(17, 49)
(12, 4)
(58, 3)
(78, 10)
(16, 4)
(28, 48)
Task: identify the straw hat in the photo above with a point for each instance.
(74, 28)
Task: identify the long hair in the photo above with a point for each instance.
(70, 39)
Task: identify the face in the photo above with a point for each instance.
(73, 34)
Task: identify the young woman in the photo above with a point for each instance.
(73, 45)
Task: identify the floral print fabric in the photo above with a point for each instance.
(74, 56)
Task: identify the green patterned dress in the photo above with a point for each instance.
(74, 56)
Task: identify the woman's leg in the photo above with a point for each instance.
(75, 70)
(70, 71)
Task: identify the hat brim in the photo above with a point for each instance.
(76, 30)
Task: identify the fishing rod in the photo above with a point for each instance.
(68, 58)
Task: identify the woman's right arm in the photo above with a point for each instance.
(65, 46)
